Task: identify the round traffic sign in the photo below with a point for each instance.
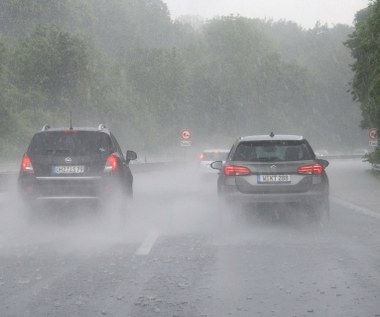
(372, 134)
(185, 134)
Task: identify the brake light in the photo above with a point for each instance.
(26, 165)
(112, 164)
(311, 169)
(235, 170)
(70, 131)
(201, 156)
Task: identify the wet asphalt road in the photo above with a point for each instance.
(173, 255)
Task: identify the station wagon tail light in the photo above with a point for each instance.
(26, 165)
(310, 169)
(112, 164)
(235, 170)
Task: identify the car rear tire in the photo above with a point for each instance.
(130, 193)
(321, 213)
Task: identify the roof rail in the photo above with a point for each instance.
(45, 127)
(101, 126)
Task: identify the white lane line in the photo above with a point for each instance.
(357, 208)
(148, 243)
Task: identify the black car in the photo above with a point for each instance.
(280, 169)
(75, 164)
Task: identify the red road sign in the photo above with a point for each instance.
(185, 134)
(372, 134)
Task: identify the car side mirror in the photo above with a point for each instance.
(131, 155)
(217, 165)
(324, 162)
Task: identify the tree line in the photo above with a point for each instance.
(364, 44)
(129, 65)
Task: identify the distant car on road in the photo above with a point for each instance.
(75, 164)
(206, 157)
(274, 169)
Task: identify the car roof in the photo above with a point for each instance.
(100, 128)
(278, 137)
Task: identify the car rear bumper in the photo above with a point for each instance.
(67, 188)
(307, 198)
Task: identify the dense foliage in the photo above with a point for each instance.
(373, 157)
(127, 64)
(364, 43)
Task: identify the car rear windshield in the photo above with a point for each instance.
(69, 142)
(214, 156)
(272, 151)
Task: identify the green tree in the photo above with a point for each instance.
(159, 79)
(242, 85)
(127, 64)
(364, 43)
(5, 111)
(54, 66)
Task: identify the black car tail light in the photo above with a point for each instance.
(112, 164)
(310, 169)
(70, 131)
(235, 170)
(26, 165)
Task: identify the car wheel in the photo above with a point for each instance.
(223, 211)
(130, 193)
(34, 213)
(321, 213)
(126, 206)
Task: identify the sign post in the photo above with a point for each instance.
(185, 139)
(373, 138)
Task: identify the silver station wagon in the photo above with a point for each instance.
(274, 169)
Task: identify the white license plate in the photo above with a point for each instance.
(71, 169)
(273, 179)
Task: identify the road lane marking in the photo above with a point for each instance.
(357, 208)
(148, 243)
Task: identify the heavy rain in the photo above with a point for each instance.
(189, 226)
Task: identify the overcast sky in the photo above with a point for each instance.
(304, 12)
